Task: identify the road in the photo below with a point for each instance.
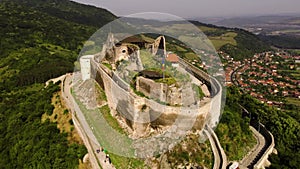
(67, 84)
(233, 75)
(265, 145)
(85, 131)
(220, 159)
(250, 157)
(261, 142)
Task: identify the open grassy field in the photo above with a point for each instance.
(203, 44)
(294, 101)
(227, 38)
(178, 29)
(185, 29)
(217, 41)
(192, 56)
(205, 28)
(125, 163)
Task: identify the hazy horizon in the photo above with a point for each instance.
(200, 8)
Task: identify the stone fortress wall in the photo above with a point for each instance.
(142, 113)
(165, 93)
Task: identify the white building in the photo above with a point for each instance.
(85, 65)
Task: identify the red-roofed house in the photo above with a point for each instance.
(173, 58)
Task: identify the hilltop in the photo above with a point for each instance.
(281, 30)
(70, 11)
(41, 40)
(238, 43)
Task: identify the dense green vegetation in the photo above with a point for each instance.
(171, 73)
(233, 130)
(25, 141)
(38, 43)
(35, 46)
(282, 41)
(41, 40)
(70, 11)
(246, 46)
(285, 129)
(168, 80)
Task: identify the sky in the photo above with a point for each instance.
(199, 8)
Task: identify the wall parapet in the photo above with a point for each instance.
(268, 148)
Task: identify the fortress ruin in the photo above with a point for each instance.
(147, 98)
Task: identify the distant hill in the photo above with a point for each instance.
(41, 39)
(282, 31)
(285, 41)
(242, 21)
(49, 34)
(71, 11)
(236, 42)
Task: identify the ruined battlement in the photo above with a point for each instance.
(142, 113)
(160, 105)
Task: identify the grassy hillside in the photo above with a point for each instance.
(70, 11)
(39, 40)
(233, 130)
(36, 46)
(238, 43)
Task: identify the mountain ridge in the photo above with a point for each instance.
(37, 45)
(71, 11)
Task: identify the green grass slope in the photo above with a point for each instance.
(237, 43)
(38, 43)
(41, 40)
(71, 11)
(36, 46)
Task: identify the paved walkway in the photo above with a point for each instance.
(220, 159)
(93, 144)
(247, 160)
